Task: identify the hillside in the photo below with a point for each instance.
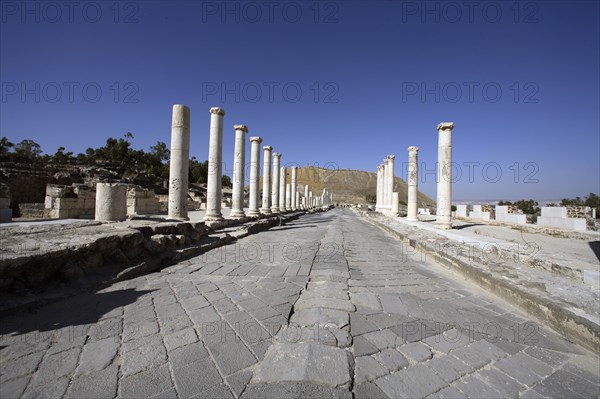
(352, 185)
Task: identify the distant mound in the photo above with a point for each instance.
(352, 185)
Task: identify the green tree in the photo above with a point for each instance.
(5, 145)
(226, 181)
(28, 150)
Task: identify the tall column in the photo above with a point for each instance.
(293, 184)
(215, 166)
(179, 162)
(390, 180)
(378, 189)
(306, 189)
(395, 204)
(275, 193)
(288, 197)
(384, 189)
(311, 202)
(297, 198)
(254, 176)
(413, 183)
(282, 178)
(444, 174)
(266, 194)
(239, 164)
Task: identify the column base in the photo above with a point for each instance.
(275, 210)
(265, 211)
(182, 218)
(237, 214)
(253, 213)
(213, 216)
(409, 219)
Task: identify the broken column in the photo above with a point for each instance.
(111, 202)
(239, 163)
(282, 177)
(179, 162)
(444, 174)
(266, 194)
(275, 185)
(293, 184)
(254, 176)
(413, 182)
(215, 166)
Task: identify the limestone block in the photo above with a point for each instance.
(562, 223)
(479, 215)
(554, 211)
(461, 211)
(511, 218)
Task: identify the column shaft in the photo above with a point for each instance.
(215, 166)
(179, 162)
(390, 180)
(282, 178)
(275, 193)
(254, 198)
(293, 188)
(413, 183)
(266, 194)
(444, 174)
(239, 164)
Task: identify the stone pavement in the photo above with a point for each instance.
(325, 306)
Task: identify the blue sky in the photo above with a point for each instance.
(325, 83)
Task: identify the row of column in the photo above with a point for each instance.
(277, 194)
(387, 201)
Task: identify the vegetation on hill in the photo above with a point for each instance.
(116, 152)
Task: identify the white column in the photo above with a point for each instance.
(266, 194)
(254, 176)
(311, 202)
(306, 195)
(303, 203)
(179, 162)
(384, 186)
(288, 197)
(282, 178)
(444, 174)
(378, 189)
(275, 193)
(111, 202)
(215, 166)
(390, 180)
(239, 164)
(395, 204)
(413, 183)
(298, 206)
(293, 188)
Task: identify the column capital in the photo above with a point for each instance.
(243, 128)
(391, 157)
(217, 110)
(294, 167)
(413, 149)
(267, 147)
(256, 139)
(276, 155)
(385, 162)
(445, 125)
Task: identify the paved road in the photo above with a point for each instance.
(325, 306)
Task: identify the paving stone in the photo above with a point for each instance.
(448, 393)
(448, 340)
(391, 359)
(13, 388)
(239, 381)
(549, 357)
(20, 367)
(310, 363)
(471, 356)
(97, 355)
(47, 389)
(264, 313)
(194, 378)
(360, 325)
(448, 367)
(143, 356)
(175, 323)
(387, 320)
(501, 382)
(204, 315)
(524, 368)
(363, 347)
(414, 382)
(285, 390)
(339, 304)
(327, 286)
(148, 383)
(320, 316)
(232, 356)
(367, 369)
(368, 390)
(509, 347)
(136, 331)
(565, 384)
(418, 330)
(416, 352)
(55, 366)
(474, 387)
(593, 377)
(383, 339)
(180, 338)
(187, 354)
(99, 384)
(365, 299)
(196, 302)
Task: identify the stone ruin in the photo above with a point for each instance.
(483, 212)
(510, 214)
(5, 211)
(562, 217)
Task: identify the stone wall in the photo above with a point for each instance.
(557, 216)
(33, 210)
(579, 212)
(5, 211)
(510, 214)
(141, 201)
(70, 202)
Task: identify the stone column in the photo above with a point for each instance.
(275, 193)
(444, 174)
(310, 199)
(239, 164)
(215, 166)
(288, 197)
(293, 185)
(303, 202)
(306, 194)
(266, 194)
(297, 198)
(395, 204)
(390, 180)
(384, 186)
(254, 176)
(111, 202)
(282, 178)
(378, 189)
(179, 162)
(413, 183)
